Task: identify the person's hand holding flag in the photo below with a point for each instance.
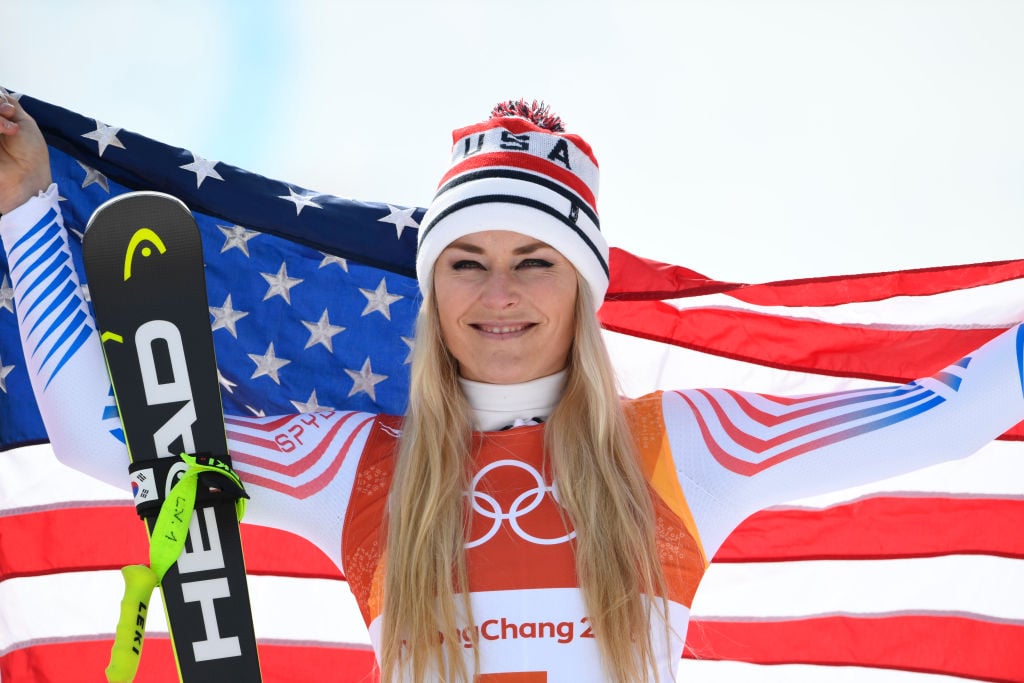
(23, 155)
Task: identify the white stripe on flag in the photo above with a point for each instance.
(692, 671)
(32, 477)
(85, 605)
(974, 585)
(996, 305)
(643, 365)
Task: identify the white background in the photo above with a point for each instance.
(750, 141)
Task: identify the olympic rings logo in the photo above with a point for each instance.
(527, 501)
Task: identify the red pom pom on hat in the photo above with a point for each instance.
(536, 112)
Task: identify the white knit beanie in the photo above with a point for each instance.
(519, 171)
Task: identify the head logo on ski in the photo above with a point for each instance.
(142, 234)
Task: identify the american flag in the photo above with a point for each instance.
(312, 299)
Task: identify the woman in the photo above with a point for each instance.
(511, 308)
(521, 521)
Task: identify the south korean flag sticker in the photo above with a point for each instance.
(144, 486)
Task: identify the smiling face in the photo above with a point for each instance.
(506, 305)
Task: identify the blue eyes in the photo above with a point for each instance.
(468, 264)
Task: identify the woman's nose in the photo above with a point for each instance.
(500, 291)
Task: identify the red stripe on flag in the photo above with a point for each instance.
(637, 278)
(881, 528)
(948, 645)
(96, 538)
(86, 661)
(63, 540)
(884, 354)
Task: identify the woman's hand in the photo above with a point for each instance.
(24, 159)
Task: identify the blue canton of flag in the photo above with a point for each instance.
(312, 297)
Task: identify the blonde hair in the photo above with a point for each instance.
(600, 485)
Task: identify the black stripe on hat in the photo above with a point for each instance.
(525, 176)
(522, 201)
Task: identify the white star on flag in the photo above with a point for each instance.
(237, 237)
(301, 201)
(228, 385)
(410, 342)
(328, 259)
(365, 380)
(104, 135)
(401, 218)
(94, 176)
(6, 295)
(226, 316)
(203, 168)
(268, 364)
(322, 331)
(6, 370)
(310, 406)
(280, 284)
(379, 300)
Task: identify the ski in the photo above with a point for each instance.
(144, 267)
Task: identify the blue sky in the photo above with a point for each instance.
(747, 140)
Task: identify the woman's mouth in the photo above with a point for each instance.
(503, 330)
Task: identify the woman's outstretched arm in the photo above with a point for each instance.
(737, 453)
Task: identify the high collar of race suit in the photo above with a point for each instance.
(500, 406)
